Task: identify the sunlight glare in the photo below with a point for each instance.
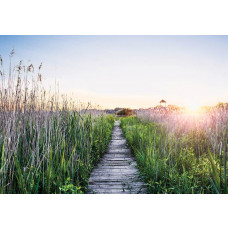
(193, 107)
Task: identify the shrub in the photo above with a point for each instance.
(125, 112)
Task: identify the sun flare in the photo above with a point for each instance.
(193, 107)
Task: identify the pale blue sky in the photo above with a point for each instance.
(130, 71)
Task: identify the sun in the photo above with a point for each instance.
(193, 107)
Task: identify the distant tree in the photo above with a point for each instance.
(162, 102)
(117, 109)
(126, 112)
(222, 105)
(173, 108)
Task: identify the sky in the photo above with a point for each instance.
(129, 71)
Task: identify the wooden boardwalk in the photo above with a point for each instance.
(117, 172)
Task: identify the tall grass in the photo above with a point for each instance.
(48, 144)
(179, 152)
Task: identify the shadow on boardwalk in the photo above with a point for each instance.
(117, 171)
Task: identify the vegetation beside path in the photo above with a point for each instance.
(172, 162)
(48, 144)
(51, 154)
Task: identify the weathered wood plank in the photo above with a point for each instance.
(117, 171)
(118, 191)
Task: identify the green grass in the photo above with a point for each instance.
(172, 162)
(53, 158)
(48, 144)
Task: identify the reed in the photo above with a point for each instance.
(48, 143)
(179, 152)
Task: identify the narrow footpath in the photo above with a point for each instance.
(117, 171)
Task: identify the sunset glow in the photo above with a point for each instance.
(194, 107)
(105, 101)
(129, 71)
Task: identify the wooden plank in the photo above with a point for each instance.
(117, 171)
(114, 178)
(116, 184)
(133, 189)
(118, 191)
